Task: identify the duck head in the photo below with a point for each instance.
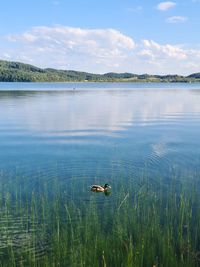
(107, 186)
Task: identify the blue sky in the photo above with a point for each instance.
(100, 36)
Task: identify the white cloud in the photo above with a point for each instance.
(98, 51)
(176, 19)
(163, 6)
(76, 37)
(6, 56)
(167, 58)
(75, 47)
(168, 51)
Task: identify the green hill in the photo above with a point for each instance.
(20, 72)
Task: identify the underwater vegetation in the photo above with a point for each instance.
(148, 223)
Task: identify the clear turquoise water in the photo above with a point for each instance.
(73, 135)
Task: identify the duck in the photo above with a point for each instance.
(100, 188)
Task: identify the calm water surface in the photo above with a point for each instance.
(69, 136)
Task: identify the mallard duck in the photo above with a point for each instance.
(100, 188)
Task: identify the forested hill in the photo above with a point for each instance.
(20, 72)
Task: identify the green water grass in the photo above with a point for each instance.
(139, 224)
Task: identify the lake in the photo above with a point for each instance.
(57, 139)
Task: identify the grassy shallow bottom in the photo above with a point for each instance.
(148, 223)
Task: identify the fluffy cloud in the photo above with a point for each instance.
(176, 19)
(98, 51)
(167, 58)
(163, 6)
(67, 46)
(76, 37)
(167, 51)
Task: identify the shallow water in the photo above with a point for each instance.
(69, 136)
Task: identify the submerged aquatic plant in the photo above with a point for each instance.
(145, 224)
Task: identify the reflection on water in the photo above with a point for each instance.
(90, 112)
(98, 132)
(71, 139)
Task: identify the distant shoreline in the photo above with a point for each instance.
(20, 72)
(90, 82)
(114, 81)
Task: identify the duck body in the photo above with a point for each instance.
(100, 188)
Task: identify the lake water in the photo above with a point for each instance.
(58, 139)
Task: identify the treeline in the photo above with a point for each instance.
(20, 72)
